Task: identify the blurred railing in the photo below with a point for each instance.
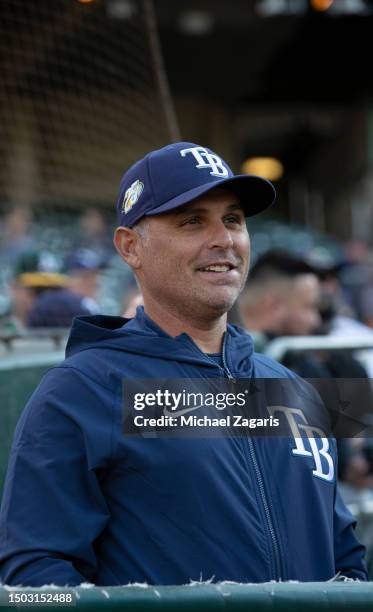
(44, 336)
(277, 597)
(278, 348)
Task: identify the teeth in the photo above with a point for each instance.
(217, 268)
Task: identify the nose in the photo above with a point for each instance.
(220, 237)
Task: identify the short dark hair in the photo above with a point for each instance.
(279, 263)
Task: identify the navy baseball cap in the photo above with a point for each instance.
(177, 174)
(83, 259)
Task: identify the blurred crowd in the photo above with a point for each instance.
(45, 282)
(309, 291)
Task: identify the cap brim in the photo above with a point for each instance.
(256, 194)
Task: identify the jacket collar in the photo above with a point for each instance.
(238, 343)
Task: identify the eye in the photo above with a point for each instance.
(191, 221)
(237, 219)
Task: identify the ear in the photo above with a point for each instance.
(126, 242)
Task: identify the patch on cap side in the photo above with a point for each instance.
(132, 195)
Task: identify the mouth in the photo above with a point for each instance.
(218, 268)
(220, 273)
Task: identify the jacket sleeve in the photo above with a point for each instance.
(348, 552)
(53, 508)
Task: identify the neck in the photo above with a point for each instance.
(206, 333)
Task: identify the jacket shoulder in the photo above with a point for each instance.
(98, 365)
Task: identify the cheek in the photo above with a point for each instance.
(154, 264)
(161, 262)
(244, 251)
(243, 246)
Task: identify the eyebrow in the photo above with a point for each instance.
(186, 209)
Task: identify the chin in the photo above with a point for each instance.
(223, 305)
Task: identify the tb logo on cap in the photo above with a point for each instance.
(205, 159)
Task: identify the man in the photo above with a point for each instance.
(83, 268)
(84, 502)
(281, 296)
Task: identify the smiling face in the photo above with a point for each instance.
(194, 261)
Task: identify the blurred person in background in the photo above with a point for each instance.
(56, 307)
(366, 292)
(94, 233)
(281, 296)
(40, 295)
(338, 317)
(83, 268)
(16, 234)
(286, 295)
(355, 276)
(33, 273)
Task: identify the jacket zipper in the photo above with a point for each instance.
(263, 496)
(259, 478)
(226, 369)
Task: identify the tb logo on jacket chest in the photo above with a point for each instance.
(309, 441)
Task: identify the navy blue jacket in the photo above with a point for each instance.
(83, 502)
